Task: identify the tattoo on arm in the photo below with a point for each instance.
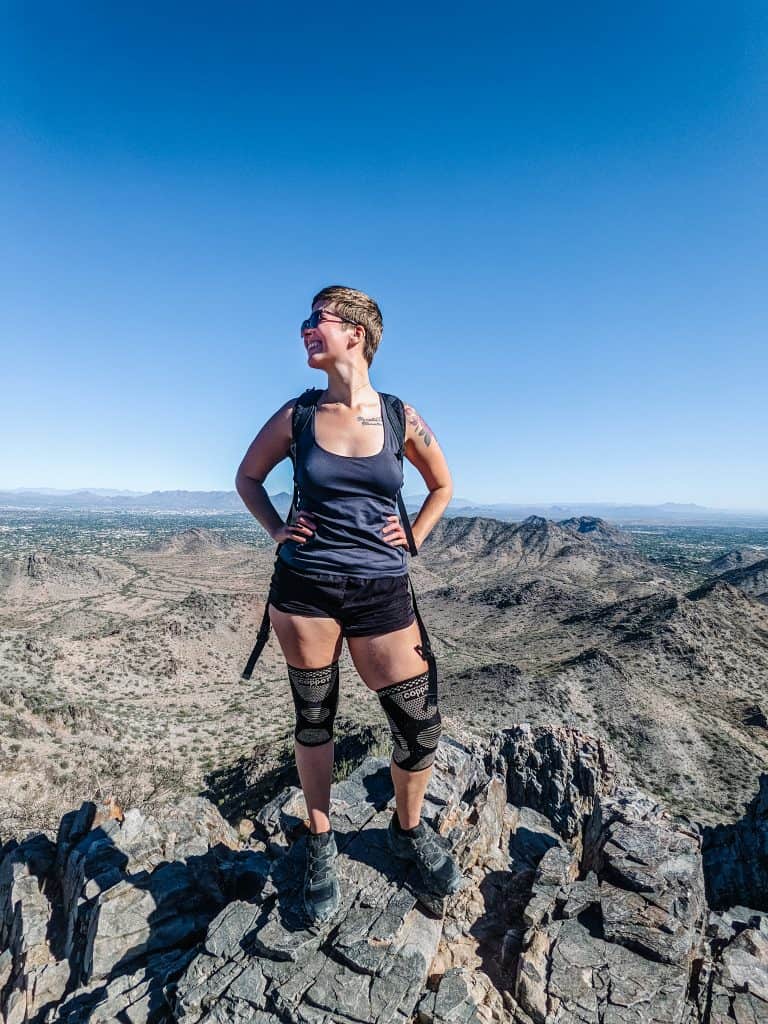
(419, 424)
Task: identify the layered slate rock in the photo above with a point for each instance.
(99, 922)
(583, 901)
(556, 771)
(31, 978)
(371, 962)
(617, 942)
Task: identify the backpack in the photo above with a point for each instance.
(302, 412)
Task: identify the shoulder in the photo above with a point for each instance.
(282, 420)
(416, 427)
(285, 413)
(297, 404)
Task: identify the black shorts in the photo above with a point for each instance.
(363, 607)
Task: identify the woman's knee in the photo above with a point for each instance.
(315, 694)
(411, 707)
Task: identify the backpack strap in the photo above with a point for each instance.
(302, 412)
(395, 411)
(425, 649)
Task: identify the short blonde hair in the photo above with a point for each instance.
(357, 306)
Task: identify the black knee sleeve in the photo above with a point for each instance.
(316, 698)
(411, 707)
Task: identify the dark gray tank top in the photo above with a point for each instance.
(349, 498)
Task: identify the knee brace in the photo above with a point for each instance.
(411, 707)
(316, 698)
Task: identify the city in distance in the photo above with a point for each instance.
(668, 513)
(124, 633)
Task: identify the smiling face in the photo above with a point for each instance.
(361, 314)
(329, 341)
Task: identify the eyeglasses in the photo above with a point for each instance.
(319, 316)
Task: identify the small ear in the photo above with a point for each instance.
(357, 333)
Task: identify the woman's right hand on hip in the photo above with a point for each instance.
(300, 530)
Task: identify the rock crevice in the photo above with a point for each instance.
(584, 901)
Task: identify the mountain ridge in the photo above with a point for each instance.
(180, 500)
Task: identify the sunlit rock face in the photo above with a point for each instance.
(584, 900)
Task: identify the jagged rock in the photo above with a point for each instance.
(651, 876)
(31, 977)
(451, 1003)
(282, 819)
(124, 888)
(139, 997)
(618, 944)
(735, 986)
(583, 902)
(556, 771)
(6, 966)
(381, 933)
(140, 915)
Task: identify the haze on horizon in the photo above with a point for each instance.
(410, 495)
(561, 213)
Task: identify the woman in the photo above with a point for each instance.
(342, 572)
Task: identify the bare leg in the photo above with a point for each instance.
(315, 767)
(410, 788)
(381, 661)
(310, 642)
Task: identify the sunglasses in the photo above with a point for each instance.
(319, 316)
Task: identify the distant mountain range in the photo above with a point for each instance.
(96, 499)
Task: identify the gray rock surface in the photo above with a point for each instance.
(617, 944)
(558, 772)
(736, 856)
(583, 901)
(371, 962)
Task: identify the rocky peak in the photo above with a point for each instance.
(597, 530)
(529, 543)
(735, 559)
(195, 540)
(584, 901)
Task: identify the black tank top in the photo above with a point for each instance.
(349, 497)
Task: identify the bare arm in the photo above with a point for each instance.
(423, 451)
(270, 446)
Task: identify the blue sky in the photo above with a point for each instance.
(561, 209)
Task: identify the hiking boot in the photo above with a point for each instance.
(439, 873)
(321, 886)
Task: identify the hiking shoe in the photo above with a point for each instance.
(321, 886)
(438, 871)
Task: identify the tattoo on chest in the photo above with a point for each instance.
(370, 421)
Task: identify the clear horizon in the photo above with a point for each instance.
(409, 493)
(561, 212)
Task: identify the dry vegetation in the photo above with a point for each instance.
(120, 673)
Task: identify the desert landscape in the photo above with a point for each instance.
(123, 636)
(601, 782)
